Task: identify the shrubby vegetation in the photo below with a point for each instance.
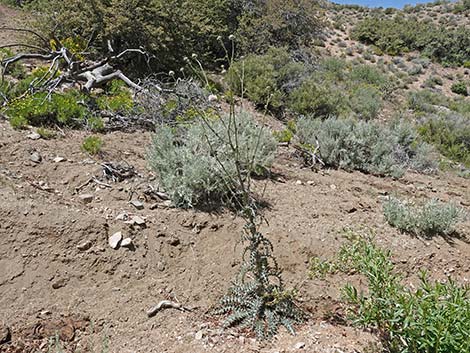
(196, 163)
(433, 218)
(399, 35)
(434, 317)
(282, 84)
(367, 146)
(450, 133)
(173, 29)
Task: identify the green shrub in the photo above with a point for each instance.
(117, 98)
(366, 101)
(92, 144)
(368, 74)
(311, 98)
(459, 88)
(433, 218)
(399, 34)
(450, 133)
(195, 163)
(40, 109)
(366, 146)
(46, 133)
(434, 317)
(264, 78)
(278, 23)
(425, 101)
(18, 122)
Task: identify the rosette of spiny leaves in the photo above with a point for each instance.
(258, 300)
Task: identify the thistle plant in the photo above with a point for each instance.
(257, 299)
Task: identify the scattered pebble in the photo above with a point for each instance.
(5, 334)
(136, 220)
(58, 159)
(299, 182)
(137, 204)
(33, 136)
(127, 243)
(114, 240)
(84, 246)
(61, 282)
(86, 198)
(333, 187)
(35, 157)
(299, 345)
(123, 216)
(199, 335)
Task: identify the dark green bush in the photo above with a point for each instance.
(460, 88)
(399, 34)
(450, 133)
(278, 23)
(266, 79)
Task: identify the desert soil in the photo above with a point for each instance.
(58, 274)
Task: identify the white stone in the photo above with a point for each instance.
(114, 240)
(126, 243)
(86, 198)
(33, 136)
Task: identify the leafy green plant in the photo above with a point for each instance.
(41, 109)
(264, 78)
(366, 101)
(459, 88)
(450, 133)
(92, 145)
(433, 218)
(46, 133)
(433, 318)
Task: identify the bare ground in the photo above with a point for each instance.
(101, 294)
(96, 299)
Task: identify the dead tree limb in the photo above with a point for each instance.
(74, 68)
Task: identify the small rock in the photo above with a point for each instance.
(58, 159)
(136, 220)
(35, 157)
(123, 216)
(86, 198)
(333, 187)
(5, 334)
(84, 246)
(153, 206)
(33, 136)
(137, 204)
(114, 240)
(127, 243)
(174, 241)
(61, 282)
(161, 266)
(212, 98)
(310, 182)
(299, 345)
(199, 335)
(299, 182)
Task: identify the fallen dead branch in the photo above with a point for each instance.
(166, 304)
(68, 67)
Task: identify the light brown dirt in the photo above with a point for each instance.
(187, 256)
(95, 300)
